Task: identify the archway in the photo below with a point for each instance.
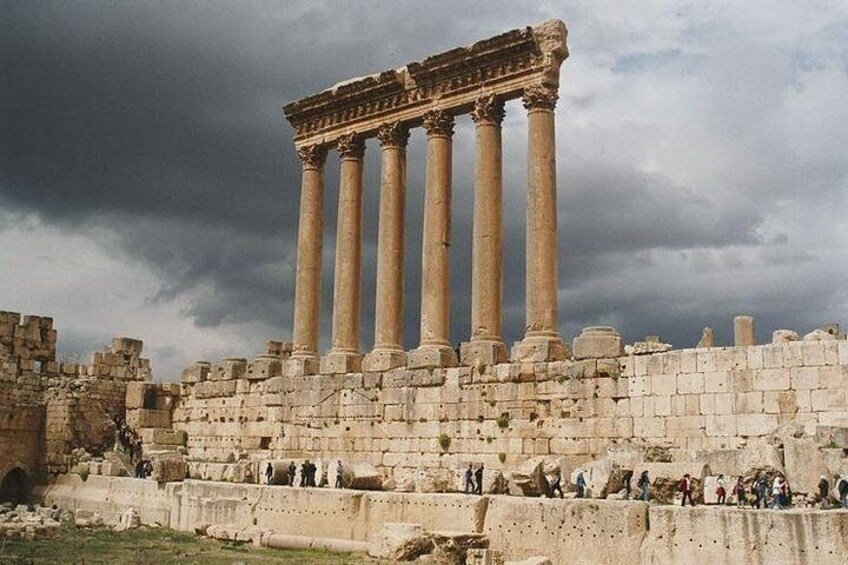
(15, 487)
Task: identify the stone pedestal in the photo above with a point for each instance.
(300, 366)
(339, 362)
(598, 342)
(482, 352)
(539, 349)
(430, 357)
(384, 360)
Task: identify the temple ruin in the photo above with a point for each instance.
(405, 425)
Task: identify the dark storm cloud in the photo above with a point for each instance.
(159, 124)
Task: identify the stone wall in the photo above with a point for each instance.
(51, 407)
(689, 401)
(566, 531)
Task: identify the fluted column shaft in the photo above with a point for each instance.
(309, 249)
(347, 293)
(541, 215)
(487, 254)
(388, 325)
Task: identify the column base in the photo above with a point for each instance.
(539, 349)
(431, 357)
(384, 360)
(300, 366)
(482, 352)
(338, 362)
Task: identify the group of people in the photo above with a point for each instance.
(130, 443)
(474, 479)
(308, 470)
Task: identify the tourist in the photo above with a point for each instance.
(147, 469)
(556, 486)
(824, 491)
(761, 491)
(138, 469)
(842, 489)
(581, 485)
(776, 493)
(339, 473)
(269, 473)
(644, 484)
(686, 489)
(739, 491)
(628, 476)
(785, 493)
(721, 490)
(292, 473)
(55, 513)
(469, 479)
(304, 473)
(478, 478)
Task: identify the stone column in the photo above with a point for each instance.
(307, 290)
(541, 339)
(344, 357)
(435, 349)
(388, 350)
(743, 331)
(486, 345)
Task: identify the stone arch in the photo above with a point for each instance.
(15, 486)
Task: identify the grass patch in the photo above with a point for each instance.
(158, 546)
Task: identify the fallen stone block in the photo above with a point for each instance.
(360, 475)
(400, 542)
(529, 478)
(169, 467)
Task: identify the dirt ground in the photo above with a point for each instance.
(153, 546)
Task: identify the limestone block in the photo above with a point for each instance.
(435, 480)
(264, 367)
(128, 520)
(598, 342)
(127, 346)
(529, 478)
(535, 560)
(665, 478)
(804, 464)
(361, 475)
(229, 369)
(771, 379)
(756, 424)
(163, 436)
(137, 392)
(168, 467)
(690, 383)
(400, 542)
(688, 361)
(804, 378)
(819, 335)
(705, 361)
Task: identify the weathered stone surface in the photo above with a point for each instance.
(819, 335)
(529, 478)
(400, 542)
(361, 475)
(784, 336)
(597, 342)
(169, 467)
(707, 338)
(128, 520)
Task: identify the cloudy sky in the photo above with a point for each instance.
(149, 184)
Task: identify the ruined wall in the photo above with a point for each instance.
(403, 420)
(48, 408)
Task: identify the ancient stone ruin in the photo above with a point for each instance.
(399, 428)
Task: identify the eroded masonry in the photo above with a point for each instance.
(405, 425)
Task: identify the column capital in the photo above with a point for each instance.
(393, 134)
(350, 146)
(540, 97)
(488, 109)
(312, 156)
(438, 122)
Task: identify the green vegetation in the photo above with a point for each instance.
(444, 441)
(503, 420)
(501, 456)
(156, 546)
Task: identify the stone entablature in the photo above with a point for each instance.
(504, 66)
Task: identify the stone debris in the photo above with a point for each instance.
(784, 336)
(128, 520)
(87, 519)
(26, 522)
(647, 347)
(400, 542)
(819, 335)
(529, 478)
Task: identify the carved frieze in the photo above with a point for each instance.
(503, 66)
(393, 134)
(488, 109)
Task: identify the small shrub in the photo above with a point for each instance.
(489, 439)
(83, 473)
(444, 441)
(503, 420)
(501, 456)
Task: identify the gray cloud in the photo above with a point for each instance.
(702, 158)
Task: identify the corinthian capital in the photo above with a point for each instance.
(394, 134)
(438, 122)
(488, 109)
(350, 146)
(312, 156)
(540, 97)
